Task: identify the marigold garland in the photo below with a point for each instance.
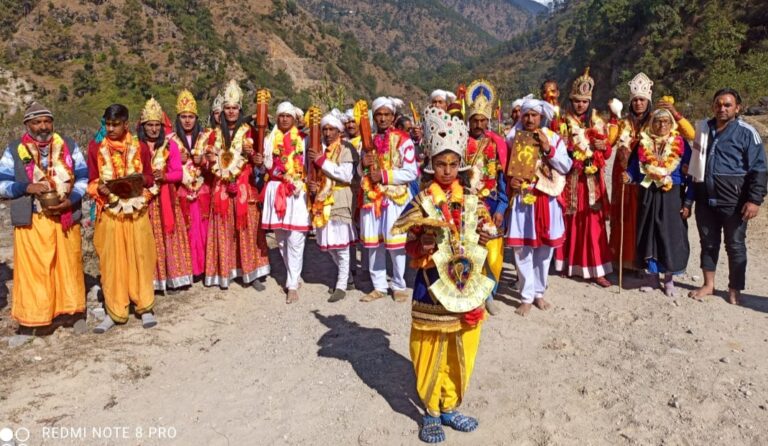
(658, 165)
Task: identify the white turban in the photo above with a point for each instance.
(543, 108)
(333, 118)
(350, 115)
(391, 103)
(519, 102)
(447, 96)
(286, 108)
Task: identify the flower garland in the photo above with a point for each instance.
(230, 161)
(389, 157)
(60, 172)
(322, 206)
(485, 164)
(451, 208)
(191, 175)
(527, 189)
(658, 165)
(118, 160)
(580, 146)
(288, 159)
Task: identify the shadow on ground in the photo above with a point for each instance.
(368, 352)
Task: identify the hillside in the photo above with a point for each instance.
(415, 36)
(501, 19)
(689, 48)
(83, 55)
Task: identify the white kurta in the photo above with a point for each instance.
(521, 223)
(376, 230)
(336, 234)
(296, 213)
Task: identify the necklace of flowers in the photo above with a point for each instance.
(60, 164)
(373, 195)
(451, 209)
(288, 160)
(658, 164)
(116, 157)
(490, 166)
(230, 161)
(584, 158)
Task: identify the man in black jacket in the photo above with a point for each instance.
(733, 189)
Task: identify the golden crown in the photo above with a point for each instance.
(152, 111)
(186, 103)
(582, 86)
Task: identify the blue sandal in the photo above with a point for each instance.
(459, 422)
(431, 430)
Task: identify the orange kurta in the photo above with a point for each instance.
(48, 276)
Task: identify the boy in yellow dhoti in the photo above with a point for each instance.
(447, 230)
(45, 174)
(123, 234)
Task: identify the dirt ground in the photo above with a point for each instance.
(239, 367)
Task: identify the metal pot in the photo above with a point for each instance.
(49, 199)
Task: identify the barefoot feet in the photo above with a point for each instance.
(541, 303)
(523, 309)
(733, 296)
(701, 293)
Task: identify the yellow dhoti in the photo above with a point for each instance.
(495, 259)
(48, 276)
(126, 250)
(443, 363)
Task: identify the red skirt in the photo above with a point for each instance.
(586, 252)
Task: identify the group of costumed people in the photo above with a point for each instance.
(175, 203)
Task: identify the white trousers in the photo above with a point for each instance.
(291, 245)
(341, 258)
(533, 271)
(377, 264)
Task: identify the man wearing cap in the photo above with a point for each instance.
(48, 281)
(535, 226)
(285, 196)
(174, 263)
(333, 205)
(387, 174)
(123, 234)
(487, 158)
(236, 245)
(586, 252)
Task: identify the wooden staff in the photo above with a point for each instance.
(262, 119)
(315, 143)
(366, 137)
(621, 240)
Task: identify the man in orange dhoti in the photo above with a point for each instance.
(45, 175)
(123, 234)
